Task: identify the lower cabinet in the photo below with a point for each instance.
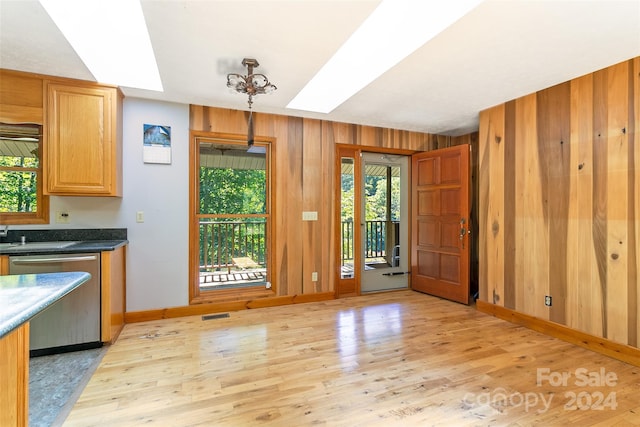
(113, 291)
(14, 377)
(4, 265)
(113, 278)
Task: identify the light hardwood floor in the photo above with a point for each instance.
(390, 359)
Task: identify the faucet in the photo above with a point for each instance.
(4, 229)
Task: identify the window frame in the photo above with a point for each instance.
(196, 295)
(41, 215)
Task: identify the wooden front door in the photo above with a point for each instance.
(439, 223)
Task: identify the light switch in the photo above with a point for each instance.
(309, 216)
(140, 216)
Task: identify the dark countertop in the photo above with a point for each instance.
(22, 296)
(73, 248)
(78, 240)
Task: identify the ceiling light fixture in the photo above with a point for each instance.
(111, 38)
(394, 30)
(251, 85)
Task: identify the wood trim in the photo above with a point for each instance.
(199, 309)
(20, 114)
(196, 296)
(600, 345)
(113, 291)
(4, 265)
(348, 286)
(14, 373)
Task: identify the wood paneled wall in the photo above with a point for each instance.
(304, 180)
(560, 203)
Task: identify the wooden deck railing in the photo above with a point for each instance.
(221, 242)
(375, 239)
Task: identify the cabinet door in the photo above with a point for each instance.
(83, 145)
(4, 265)
(113, 297)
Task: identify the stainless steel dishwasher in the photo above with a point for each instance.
(73, 323)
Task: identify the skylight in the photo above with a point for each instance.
(394, 30)
(111, 38)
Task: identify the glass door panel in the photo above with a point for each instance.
(347, 198)
(384, 224)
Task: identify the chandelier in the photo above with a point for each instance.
(251, 85)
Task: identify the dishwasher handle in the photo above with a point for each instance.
(22, 261)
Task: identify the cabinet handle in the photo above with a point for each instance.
(41, 260)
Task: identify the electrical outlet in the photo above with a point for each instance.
(314, 276)
(62, 217)
(547, 300)
(140, 216)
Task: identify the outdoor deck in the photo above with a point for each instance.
(220, 279)
(232, 253)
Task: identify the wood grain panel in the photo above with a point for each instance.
(535, 237)
(303, 179)
(635, 161)
(617, 202)
(496, 210)
(312, 183)
(510, 201)
(329, 263)
(553, 110)
(484, 184)
(494, 140)
(520, 116)
(288, 178)
(584, 297)
(600, 177)
(576, 210)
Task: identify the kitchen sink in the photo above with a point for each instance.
(37, 245)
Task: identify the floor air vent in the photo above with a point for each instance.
(215, 316)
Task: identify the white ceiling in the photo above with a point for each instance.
(500, 51)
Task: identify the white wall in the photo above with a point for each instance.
(157, 255)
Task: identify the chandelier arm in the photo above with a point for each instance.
(251, 85)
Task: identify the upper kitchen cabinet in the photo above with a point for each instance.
(83, 150)
(20, 97)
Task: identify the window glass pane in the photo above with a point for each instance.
(19, 167)
(232, 181)
(233, 215)
(382, 214)
(346, 216)
(19, 145)
(18, 191)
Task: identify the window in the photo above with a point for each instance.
(21, 199)
(230, 217)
